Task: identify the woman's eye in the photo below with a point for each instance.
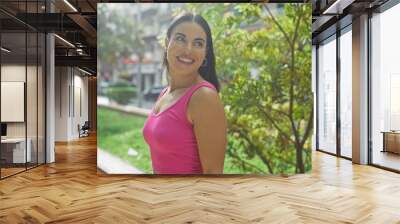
(198, 44)
(179, 38)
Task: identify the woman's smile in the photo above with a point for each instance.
(185, 60)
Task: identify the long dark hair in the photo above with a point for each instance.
(207, 70)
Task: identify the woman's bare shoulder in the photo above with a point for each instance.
(205, 102)
(205, 95)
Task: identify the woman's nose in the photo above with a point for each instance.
(188, 48)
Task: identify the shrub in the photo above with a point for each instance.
(121, 83)
(125, 76)
(121, 94)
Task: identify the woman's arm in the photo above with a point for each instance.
(206, 112)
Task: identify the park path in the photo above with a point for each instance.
(111, 164)
(105, 102)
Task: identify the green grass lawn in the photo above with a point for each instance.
(117, 132)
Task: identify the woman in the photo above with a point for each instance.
(186, 130)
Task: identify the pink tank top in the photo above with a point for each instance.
(171, 137)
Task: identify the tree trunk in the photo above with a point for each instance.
(299, 159)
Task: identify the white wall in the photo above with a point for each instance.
(71, 94)
(16, 73)
(33, 126)
(62, 81)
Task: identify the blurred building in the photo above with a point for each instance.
(154, 19)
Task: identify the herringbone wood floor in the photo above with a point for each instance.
(70, 191)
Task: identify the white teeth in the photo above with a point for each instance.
(186, 60)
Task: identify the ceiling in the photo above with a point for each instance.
(74, 21)
(331, 15)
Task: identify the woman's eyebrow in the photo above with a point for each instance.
(180, 34)
(199, 38)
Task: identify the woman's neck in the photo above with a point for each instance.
(183, 82)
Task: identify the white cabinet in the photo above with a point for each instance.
(18, 149)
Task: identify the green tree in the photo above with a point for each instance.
(264, 61)
(118, 34)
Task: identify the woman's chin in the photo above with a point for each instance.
(185, 69)
(181, 65)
